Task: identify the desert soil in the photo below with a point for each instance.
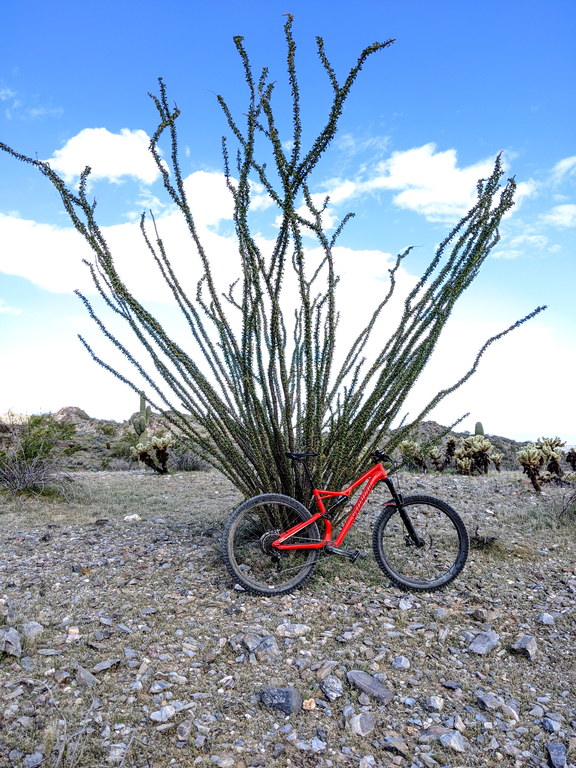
(126, 643)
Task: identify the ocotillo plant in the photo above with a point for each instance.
(256, 378)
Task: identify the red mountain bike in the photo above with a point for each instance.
(271, 542)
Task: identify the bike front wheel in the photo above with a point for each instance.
(247, 547)
(431, 558)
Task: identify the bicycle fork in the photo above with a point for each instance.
(397, 501)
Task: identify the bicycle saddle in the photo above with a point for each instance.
(300, 456)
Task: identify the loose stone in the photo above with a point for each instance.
(546, 618)
(525, 646)
(362, 724)
(369, 685)
(32, 630)
(292, 630)
(163, 714)
(332, 687)
(287, 700)
(454, 741)
(556, 754)
(484, 642)
(11, 642)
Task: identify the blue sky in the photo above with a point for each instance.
(425, 121)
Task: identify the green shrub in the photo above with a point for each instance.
(186, 461)
(26, 462)
(40, 434)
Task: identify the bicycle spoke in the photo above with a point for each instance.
(249, 549)
(433, 555)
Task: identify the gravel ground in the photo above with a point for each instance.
(125, 643)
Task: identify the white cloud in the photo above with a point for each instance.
(430, 182)
(427, 181)
(50, 257)
(506, 387)
(562, 216)
(5, 309)
(110, 156)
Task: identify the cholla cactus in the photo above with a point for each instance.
(159, 445)
(413, 454)
(496, 459)
(545, 453)
(436, 458)
(571, 458)
(464, 464)
(473, 455)
(550, 449)
(531, 459)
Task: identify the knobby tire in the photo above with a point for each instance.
(246, 545)
(421, 568)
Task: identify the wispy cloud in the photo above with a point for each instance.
(562, 216)
(18, 106)
(564, 169)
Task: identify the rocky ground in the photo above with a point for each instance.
(123, 642)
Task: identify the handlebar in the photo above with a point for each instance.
(381, 456)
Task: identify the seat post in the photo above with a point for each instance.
(308, 473)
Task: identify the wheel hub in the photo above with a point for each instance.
(266, 541)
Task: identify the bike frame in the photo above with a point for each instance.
(376, 474)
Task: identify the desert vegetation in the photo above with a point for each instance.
(254, 378)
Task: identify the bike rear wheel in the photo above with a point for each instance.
(247, 547)
(436, 559)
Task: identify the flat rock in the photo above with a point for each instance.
(488, 701)
(103, 665)
(395, 745)
(484, 642)
(84, 677)
(287, 700)
(369, 685)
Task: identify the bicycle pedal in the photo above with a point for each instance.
(351, 554)
(358, 553)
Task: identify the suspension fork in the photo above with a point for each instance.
(399, 503)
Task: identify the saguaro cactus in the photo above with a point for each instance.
(141, 422)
